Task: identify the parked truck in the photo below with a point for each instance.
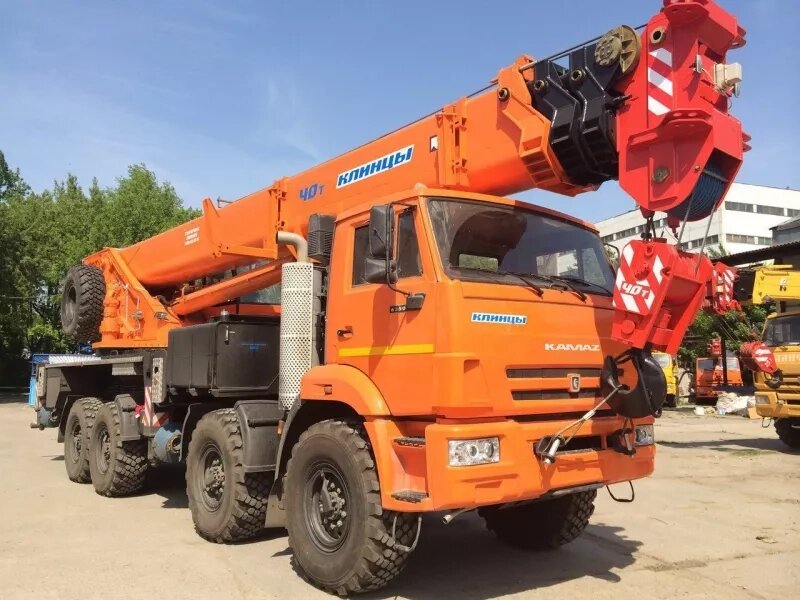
(437, 346)
(775, 361)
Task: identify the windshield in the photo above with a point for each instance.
(709, 364)
(783, 331)
(480, 241)
(663, 360)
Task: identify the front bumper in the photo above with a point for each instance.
(519, 474)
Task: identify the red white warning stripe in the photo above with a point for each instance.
(660, 87)
(147, 413)
(633, 294)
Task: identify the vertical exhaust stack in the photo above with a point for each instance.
(297, 326)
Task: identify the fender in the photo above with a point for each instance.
(128, 424)
(343, 383)
(327, 391)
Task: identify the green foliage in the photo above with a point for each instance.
(735, 327)
(43, 234)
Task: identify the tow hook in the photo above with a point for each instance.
(622, 441)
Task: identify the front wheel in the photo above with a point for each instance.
(788, 431)
(343, 540)
(542, 525)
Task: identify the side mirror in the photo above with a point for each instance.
(376, 270)
(381, 232)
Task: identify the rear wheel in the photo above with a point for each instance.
(76, 438)
(227, 504)
(343, 540)
(117, 468)
(542, 525)
(671, 401)
(788, 431)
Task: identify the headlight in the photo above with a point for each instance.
(644, 435)
(762, 399)
(463, 453)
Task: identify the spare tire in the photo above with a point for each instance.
(82, 298)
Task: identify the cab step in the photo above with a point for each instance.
(416, 442)
(410, 496)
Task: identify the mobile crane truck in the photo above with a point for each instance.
(438, 346)
(775, 361)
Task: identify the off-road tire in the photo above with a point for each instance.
(369, 556)
(242, 507)
(671, 401)
(543, 525)
(79, 424)
(788, 434)
(119, 470)
(83, 292)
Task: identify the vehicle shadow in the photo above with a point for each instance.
(734, 445)
(464, 560)
(169, 482)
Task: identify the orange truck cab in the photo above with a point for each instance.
(436, 345)
(710, 377)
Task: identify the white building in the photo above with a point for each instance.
(742, 222)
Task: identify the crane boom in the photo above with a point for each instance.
(649, 108)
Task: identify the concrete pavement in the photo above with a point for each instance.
(719, 519)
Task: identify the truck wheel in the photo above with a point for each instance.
(76, 438)
(543, 525)
(117, 468)
(227, 504)
(788, 431)
(84, 290)
(671, 401)
(340, 535)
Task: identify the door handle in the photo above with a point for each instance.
(346, 331)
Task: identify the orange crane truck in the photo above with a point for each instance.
(437, 345)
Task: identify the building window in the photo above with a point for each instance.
(735, 238)
(740, 206)
(792, 212)
(769, 210)
(763, 241)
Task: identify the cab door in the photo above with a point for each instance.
(367, 326)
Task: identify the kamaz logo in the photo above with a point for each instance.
(379, 165)
(573, 347)
(479, 317)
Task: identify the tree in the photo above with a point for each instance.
(43, 234)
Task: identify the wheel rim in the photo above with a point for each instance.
(212, 484)
(327, 506)
(75, 437)
(102, 449)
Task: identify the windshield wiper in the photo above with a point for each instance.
(525, 280)
(555, 281)
(585, 282)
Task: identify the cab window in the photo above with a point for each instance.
(408, 262)
(360, 252)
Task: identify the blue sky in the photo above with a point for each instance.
(221, 98)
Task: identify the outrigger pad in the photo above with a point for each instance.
(643, 400)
